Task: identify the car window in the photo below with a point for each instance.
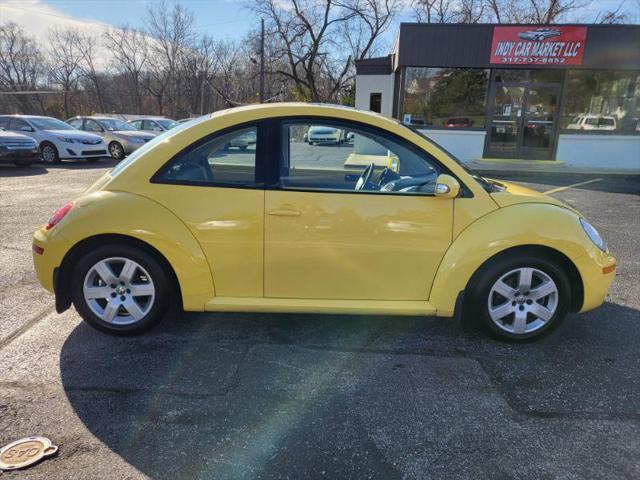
(153, 126)
(591, 121)
(48, 123)
(113, 125)
(137, 124)
(17, 124)
(225, 159)
(92, 126)
(607, 122)
(76, 123)
(168, 123)
(343, 157)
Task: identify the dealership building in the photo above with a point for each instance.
(556, 95)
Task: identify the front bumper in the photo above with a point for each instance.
(75, 150)
(22, 155)
(597, 269)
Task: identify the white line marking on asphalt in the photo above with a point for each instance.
(560, 189)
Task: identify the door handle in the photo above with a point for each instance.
(284, 212)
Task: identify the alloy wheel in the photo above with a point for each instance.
(48, 154)
(116, 151)
(523, 300)
(119, 291)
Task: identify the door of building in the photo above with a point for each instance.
(523, 120)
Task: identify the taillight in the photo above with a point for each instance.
(58, 215)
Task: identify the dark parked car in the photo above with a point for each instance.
(18, 149)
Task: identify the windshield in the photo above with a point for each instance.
(113, 124)
(168, 123)
(50, 124)
(487, 185)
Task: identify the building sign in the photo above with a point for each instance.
(532, 45)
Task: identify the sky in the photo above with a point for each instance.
(223, 19)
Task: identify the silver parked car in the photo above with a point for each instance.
(120, 137)
(539, 34)
(153, 125)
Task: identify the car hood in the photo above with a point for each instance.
(75, 134)
(5, 135)
(512, 194)
(134, 134)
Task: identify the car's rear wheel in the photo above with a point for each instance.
(116, 150)
(519, 299)
(120, 289)
(49, 153)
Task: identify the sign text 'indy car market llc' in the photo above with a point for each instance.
(527, 45)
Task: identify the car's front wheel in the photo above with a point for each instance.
(519, 299)
(116, 150)
(120, 289)
(49, 153)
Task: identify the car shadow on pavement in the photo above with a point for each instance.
(263, 395)
(13, 171)
(84, 165)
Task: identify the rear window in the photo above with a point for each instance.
(608, 122)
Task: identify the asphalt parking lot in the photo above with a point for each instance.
(319, 396)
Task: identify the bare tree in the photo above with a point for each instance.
(20, 63)
(129, 49)
(432, 11)
(310, 37)
(499, 11)
(65, 61)
(172, 37)
(88, 48)
(617, 15)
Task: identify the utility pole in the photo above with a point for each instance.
(262, 60)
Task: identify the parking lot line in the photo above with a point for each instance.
(560, 189)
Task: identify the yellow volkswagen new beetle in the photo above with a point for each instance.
(238, 211)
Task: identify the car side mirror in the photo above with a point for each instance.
(447, 186)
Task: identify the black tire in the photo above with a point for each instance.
(476, 308)
(147, 261)
(49, 153)
(116, 150)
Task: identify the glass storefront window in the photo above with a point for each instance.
(445, 97)
(514, 75)
(602, 100)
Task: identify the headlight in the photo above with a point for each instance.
(593, 234)
(66, 139)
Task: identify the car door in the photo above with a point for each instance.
(21, 126)
(217, 191)
(331, 235)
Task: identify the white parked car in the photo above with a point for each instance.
(592, 122)
(56, 139)
(324, 135)
(154, 125)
